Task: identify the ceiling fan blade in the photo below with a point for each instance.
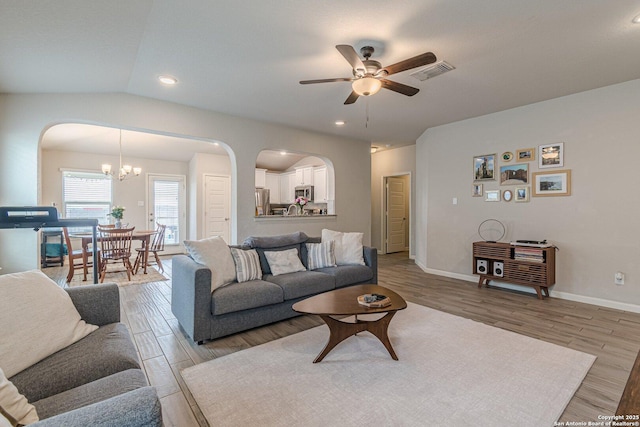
(352, 98)
(340, 79)
(399, 87)
(407, 64)
(351, 56)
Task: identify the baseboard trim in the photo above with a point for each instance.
(634, 308)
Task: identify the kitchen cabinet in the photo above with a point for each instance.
(272, 182)
(304, 176)
(320, 184)
(261, 178)
(287, 187)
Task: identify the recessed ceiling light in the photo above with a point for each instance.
(374, 149)
(168, 80)
(636, 20)
(339, 122)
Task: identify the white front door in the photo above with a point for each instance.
(217, 206)
(167, 205)
(396, 214)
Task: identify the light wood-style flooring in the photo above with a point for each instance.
(611, 335)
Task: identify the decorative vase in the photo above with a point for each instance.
(300, 210)
(118, 223)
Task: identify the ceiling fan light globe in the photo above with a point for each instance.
(366, 86)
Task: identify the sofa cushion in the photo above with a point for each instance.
(282, 242)
(95, 391)
(245, 295)
(101, 353)
(139, 407)
(283, 262)
(215, 254)
(247, 264)
(348, 274)
(270, 242)
(348, 246)
(321, 255)
(15, 404)
(38, 318)
(300, 284)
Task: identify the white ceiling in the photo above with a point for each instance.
(246, 57)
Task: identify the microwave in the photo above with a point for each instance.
(305, 191)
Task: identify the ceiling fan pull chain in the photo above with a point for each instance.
(366, 123)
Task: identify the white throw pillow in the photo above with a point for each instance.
(321, 255)
(15, 404)
(38, 318)
(348, 246)
(283, 262)
(215, 254)
(247, 264)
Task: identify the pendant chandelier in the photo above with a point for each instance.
(124, 171)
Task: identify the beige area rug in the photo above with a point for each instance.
(451, 372)
(115, 274)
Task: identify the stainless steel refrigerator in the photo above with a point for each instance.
(263, 206)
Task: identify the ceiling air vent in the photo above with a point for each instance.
(433, 70)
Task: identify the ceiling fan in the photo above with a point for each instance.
(369, 75)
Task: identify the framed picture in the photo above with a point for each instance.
(507, 156)
(522, 194)
(507, 195)
(552, 183)
(525, 155)
(517, 174)
(477, 190)
(484, 167)
(551, 155)
(492, 196)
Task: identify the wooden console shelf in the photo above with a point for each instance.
(520, 265)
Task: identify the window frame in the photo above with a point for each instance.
(78, 173)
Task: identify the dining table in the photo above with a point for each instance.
(143, 236)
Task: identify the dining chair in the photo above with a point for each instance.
(115, 245)
(157, 245)
(75, 255)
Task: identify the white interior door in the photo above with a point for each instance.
(396, 201)
(217, 206)
(167, 205)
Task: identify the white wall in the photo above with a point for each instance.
(126, 193)
(24, 118)
(596, 228)
(398, 161)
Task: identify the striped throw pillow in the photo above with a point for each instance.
(321, 255)
(247, 264)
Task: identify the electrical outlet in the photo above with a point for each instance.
(619, 278)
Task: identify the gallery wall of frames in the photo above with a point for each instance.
(530, 172)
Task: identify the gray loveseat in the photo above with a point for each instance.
(240, 306)
(96, 381)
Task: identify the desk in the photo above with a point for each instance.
(143, 235)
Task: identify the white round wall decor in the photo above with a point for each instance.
(491, 230)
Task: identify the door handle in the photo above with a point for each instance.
(226, 219)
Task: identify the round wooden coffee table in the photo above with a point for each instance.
(344, 301)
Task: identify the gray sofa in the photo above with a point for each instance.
(96, 381)
(240, 306)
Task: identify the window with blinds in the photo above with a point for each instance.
(86, 195)
(166, 200)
